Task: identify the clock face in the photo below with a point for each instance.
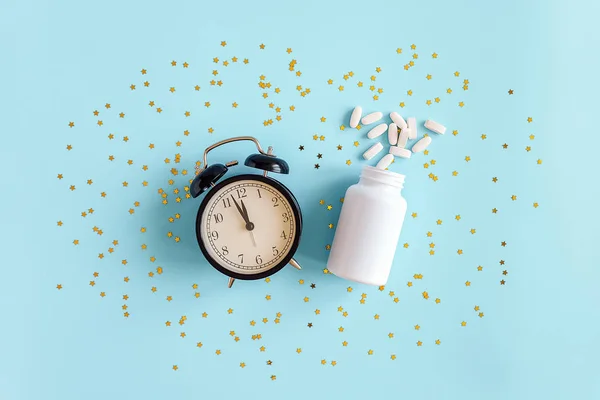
(248, 226)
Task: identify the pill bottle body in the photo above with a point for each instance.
(369, 227)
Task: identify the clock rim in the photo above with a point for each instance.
(295, 210)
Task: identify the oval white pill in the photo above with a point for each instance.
(385, 161)
(400, 152)
(355, 117)
(412, 128)
(421, 144)
(377, 131)
(398, 120)
(393, 134)
(370, 118)
(435, 127)
(403, 138)
(373, 150)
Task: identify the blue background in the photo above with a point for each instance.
(539, 334)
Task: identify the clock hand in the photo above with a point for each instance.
(249, 225)
(242, 213)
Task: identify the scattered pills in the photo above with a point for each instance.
(400, 152)
(435, 127)
(400, 131)
(370, 118)
(377, 131)
(385, 161)
(393, 134)
(421, 144)
(373, 150)
(398, 120)
(355, 117)
(412, 128)
(403, 138)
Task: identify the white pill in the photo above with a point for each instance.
(370, 118)
(373, 150)
(421, 144)
(403, 138)
(377, 131)
(385, 161)
(398, 120)
(435, 127)
(400, 152)
(393, 134)
(355, 117)
(412, 128)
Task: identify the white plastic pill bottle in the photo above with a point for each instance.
(369, 228)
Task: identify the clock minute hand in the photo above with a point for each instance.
(246, 217)
(249, 225)
(242, 213)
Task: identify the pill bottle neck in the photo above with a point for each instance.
(372, 176)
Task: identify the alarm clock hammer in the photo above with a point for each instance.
(276, 225)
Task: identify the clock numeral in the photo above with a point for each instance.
(259, 196)
(226, 202)
(258, 259)
(285, 216)
(241, 192)
(214, 235)
(275, 251)
(275, 202)
(283, 235)
(218, 218)
(224, 250)
(241, 256)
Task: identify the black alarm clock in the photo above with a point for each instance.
(248, 226)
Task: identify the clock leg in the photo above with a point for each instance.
(295, 264)
(230, 284)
